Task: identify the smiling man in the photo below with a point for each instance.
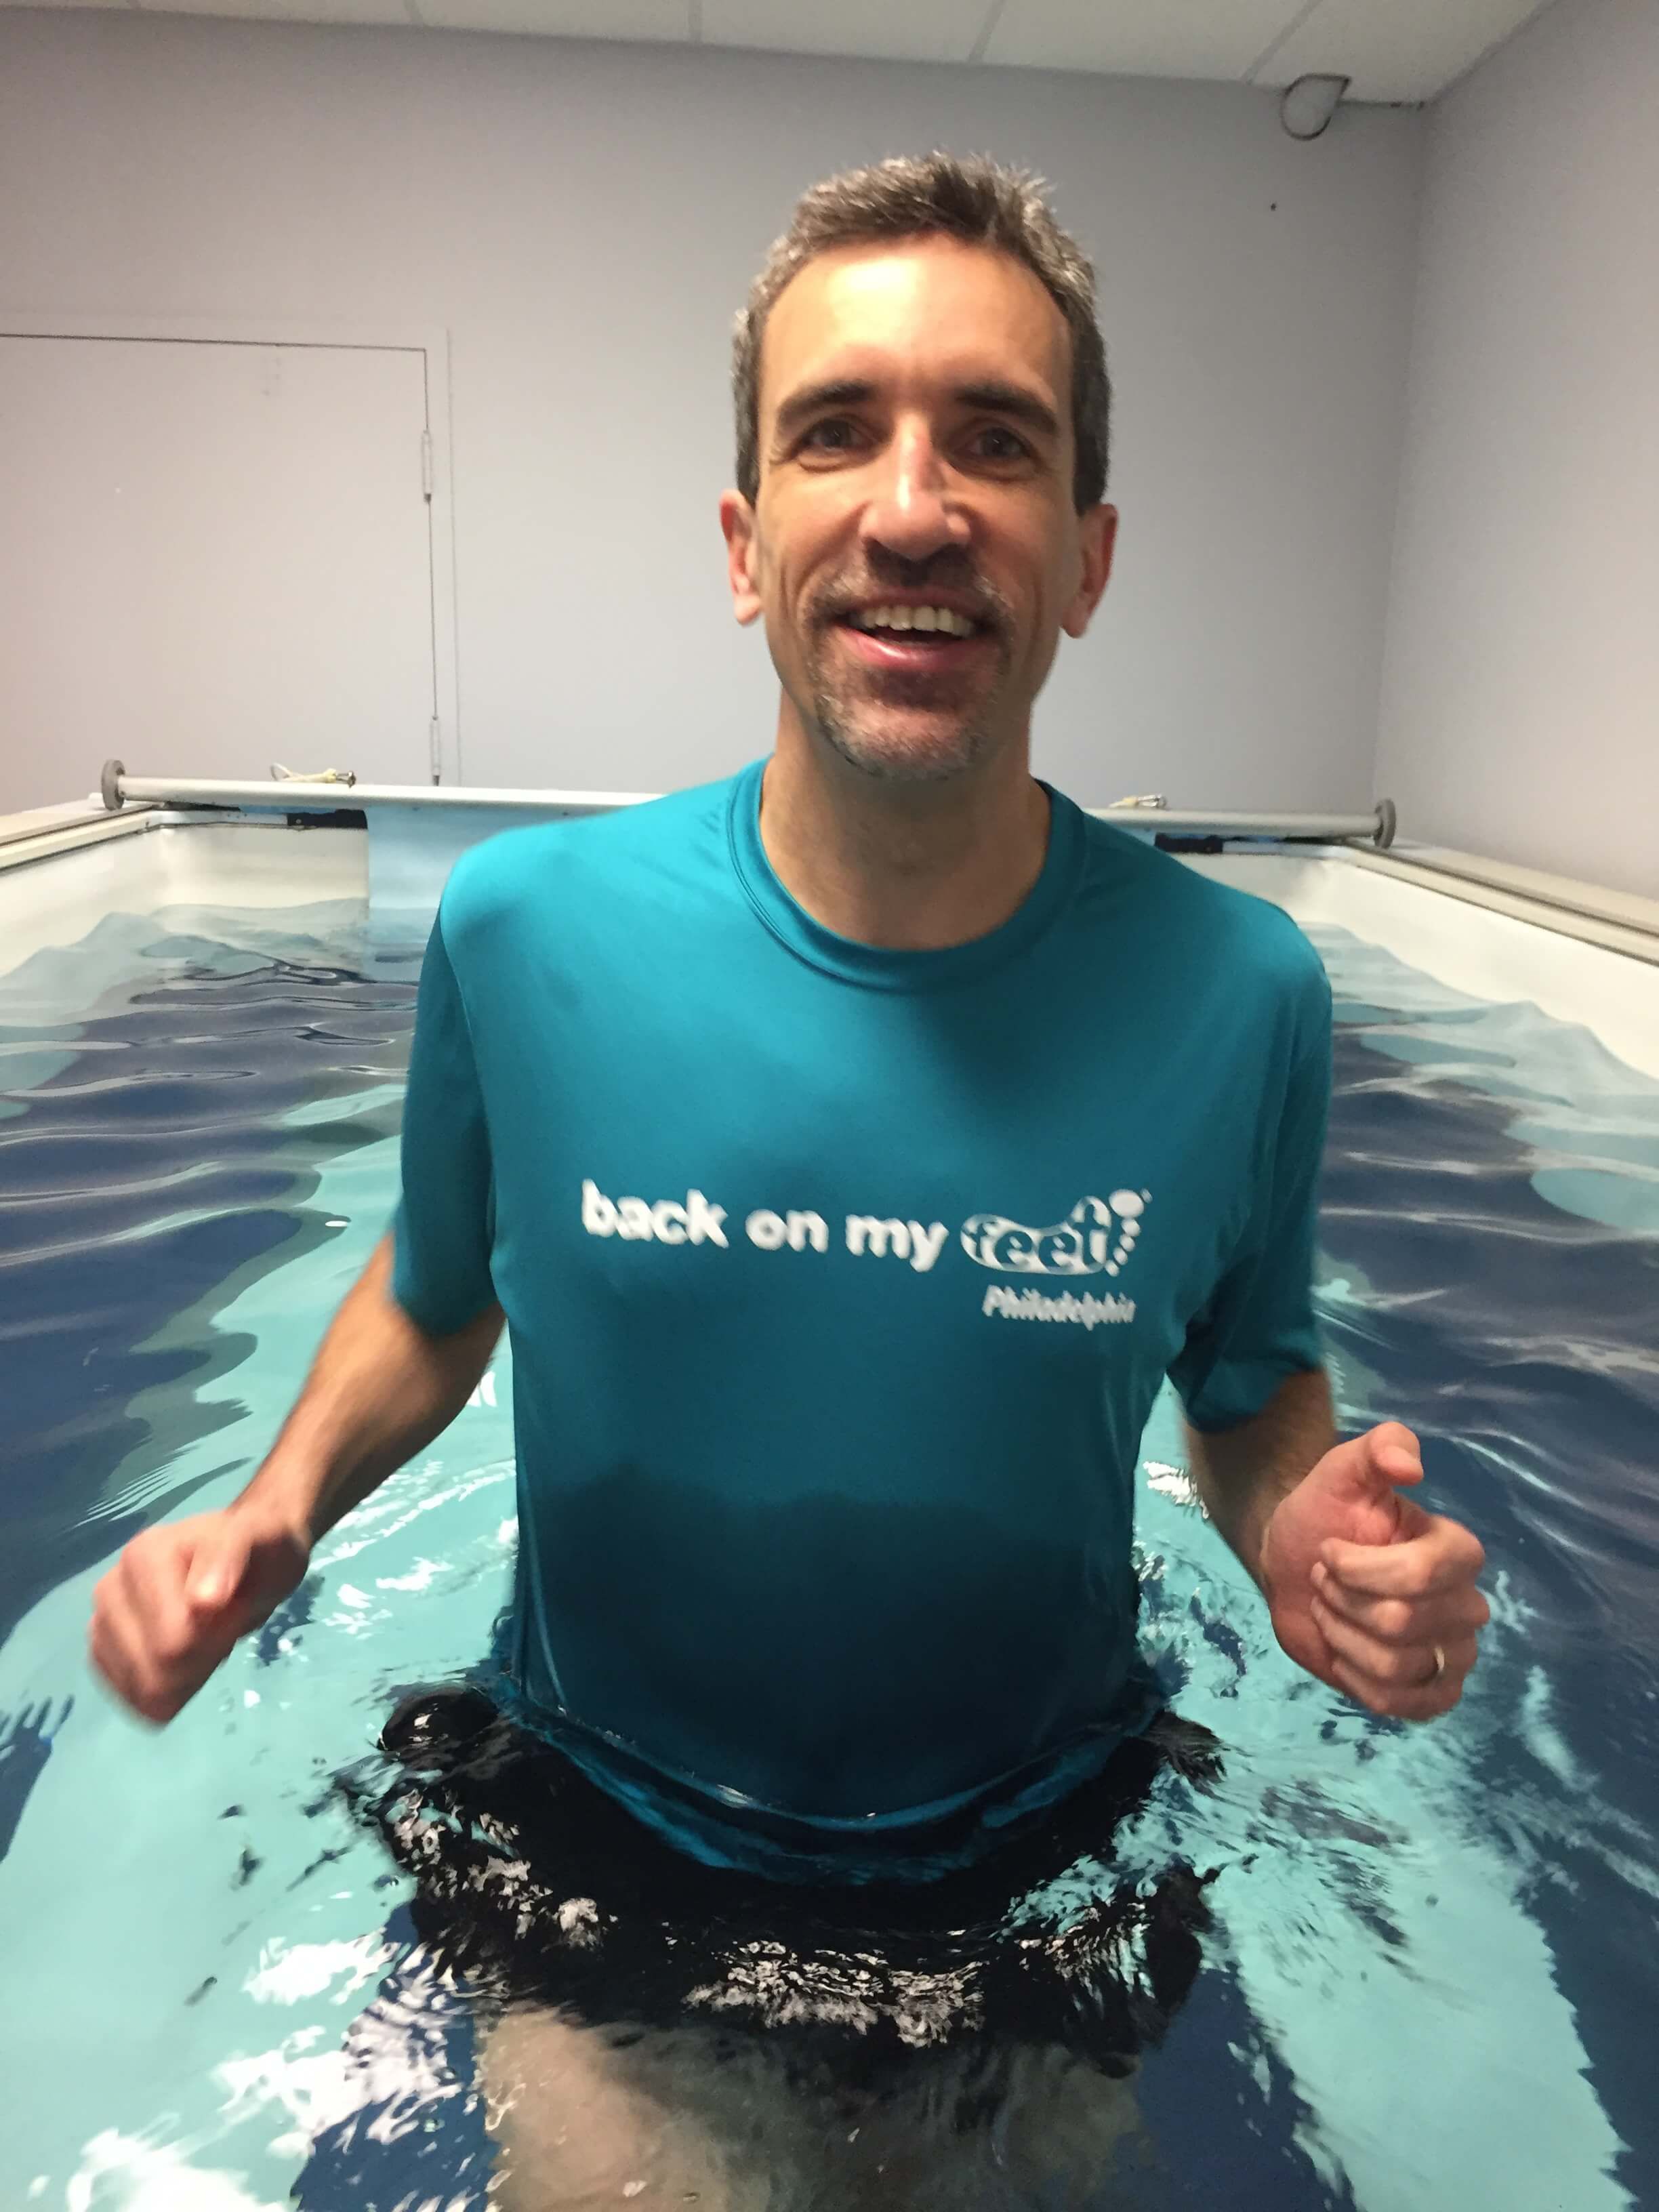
(853, 1147)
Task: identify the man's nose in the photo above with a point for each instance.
(911, 511)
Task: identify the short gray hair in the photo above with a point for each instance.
(976, 200)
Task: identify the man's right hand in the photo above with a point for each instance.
(379, 1390)
(180, 1595)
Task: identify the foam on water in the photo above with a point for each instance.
(1426, 1983)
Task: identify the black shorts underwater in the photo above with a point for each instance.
(534, 1887)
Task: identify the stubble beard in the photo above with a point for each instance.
(858, 727)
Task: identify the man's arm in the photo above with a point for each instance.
(378, 1391)
(1367, 1590)
(1242, 1473)
(180, 1594)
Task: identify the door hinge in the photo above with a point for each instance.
(437, 751)
(426, 463)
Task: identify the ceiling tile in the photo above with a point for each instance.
(1140, 37)
(1406, 50)
(285, 11)
(1393, 50)
(565, 19)
(918, 30)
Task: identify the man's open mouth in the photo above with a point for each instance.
(912, 636)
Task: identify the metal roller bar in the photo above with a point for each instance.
(119, 789)
(1376, 827)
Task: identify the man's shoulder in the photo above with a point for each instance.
(556, 871)
(1239, 934)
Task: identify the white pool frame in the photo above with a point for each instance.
(1582, 953)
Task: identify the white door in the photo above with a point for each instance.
(213, 555)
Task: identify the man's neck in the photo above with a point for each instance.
(914, 867)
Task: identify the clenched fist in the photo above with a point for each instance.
(180, 1595)
(1367, 1591)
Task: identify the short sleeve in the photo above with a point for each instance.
(445, 1223)
(1258, 1328)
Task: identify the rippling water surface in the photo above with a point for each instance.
(1431, 1979)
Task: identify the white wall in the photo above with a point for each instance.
(584, 219)
(1520, 701)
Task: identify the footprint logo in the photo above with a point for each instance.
(1097, 1237)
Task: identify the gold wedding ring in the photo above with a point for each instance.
(1439, 1664)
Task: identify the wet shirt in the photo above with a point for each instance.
(840, 1284)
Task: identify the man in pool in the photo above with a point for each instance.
(851, 1148)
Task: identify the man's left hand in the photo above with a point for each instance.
(1366, 1590)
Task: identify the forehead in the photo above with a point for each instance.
(918, 310)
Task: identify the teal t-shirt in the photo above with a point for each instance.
(840, 1283)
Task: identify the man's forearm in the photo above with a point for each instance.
(1241, 1473)
(378, 1391)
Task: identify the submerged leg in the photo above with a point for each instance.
(584, 2117)
(610, 2116)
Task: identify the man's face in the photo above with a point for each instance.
(915, 452)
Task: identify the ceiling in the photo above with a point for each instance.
(1393, 50)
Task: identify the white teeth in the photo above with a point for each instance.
(921, 618)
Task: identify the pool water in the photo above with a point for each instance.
(1430, 1979)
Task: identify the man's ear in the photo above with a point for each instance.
(1097, 531)
(738, 523)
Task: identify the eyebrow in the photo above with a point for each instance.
(991, 394)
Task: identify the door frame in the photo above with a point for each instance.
(432, 344)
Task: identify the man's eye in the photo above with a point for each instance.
(833, 436)
(1013, 448)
